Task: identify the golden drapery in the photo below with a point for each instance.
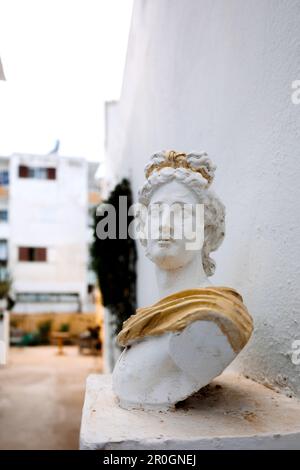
(173, 313)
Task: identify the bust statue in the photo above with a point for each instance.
(195, 330)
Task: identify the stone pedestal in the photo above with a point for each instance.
(231, 413)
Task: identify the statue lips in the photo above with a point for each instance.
(165, 238)
(164, 243)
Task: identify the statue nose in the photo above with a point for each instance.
(166, 223)
(165, 231)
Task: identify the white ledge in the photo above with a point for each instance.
(231, 413)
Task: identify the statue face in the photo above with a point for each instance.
(174, 226)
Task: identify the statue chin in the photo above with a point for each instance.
(168, 258)
(159, 371)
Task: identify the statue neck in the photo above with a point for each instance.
(189, 276)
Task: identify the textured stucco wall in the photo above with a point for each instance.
(216, 75)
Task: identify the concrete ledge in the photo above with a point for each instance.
(231, 413)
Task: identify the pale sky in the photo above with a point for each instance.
(62, 59)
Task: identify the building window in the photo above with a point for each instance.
(90, 288)
(47, 297)
(3, 250)
(4, 178)
(4, 276)
(37, 173)
(3, 215)
(40, 173)
(29, 253)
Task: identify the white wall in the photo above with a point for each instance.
(216, 75)
(51, 214)
(4, 334)
(2, 77)
(4, 200)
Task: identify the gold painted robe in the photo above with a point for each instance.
(173, 313)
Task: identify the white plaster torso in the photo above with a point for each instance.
(157, 372)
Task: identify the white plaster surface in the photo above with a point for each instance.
(111, 351)
(217, 75)
(159, 371)
(231, 413)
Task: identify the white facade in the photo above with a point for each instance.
(2, 77)
(216, 75)
(47, 232)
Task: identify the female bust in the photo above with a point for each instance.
(178, 345)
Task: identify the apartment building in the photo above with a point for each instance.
(44, 231)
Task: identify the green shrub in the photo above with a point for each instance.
(64, 327)
(44, 329)
(114, 262)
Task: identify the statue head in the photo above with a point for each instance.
(176, 184)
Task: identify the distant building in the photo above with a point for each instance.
(45, 218)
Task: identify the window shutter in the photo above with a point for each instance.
(23, 253)
(40, 254)
(51, 173)
(23, 171)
